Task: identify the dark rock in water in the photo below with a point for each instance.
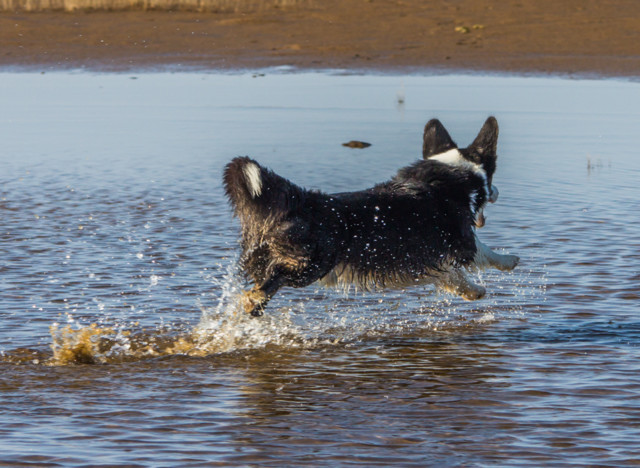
(356, 144)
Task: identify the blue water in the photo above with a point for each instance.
(118, 248)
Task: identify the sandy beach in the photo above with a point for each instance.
(574, 37)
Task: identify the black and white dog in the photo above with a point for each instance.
(417, 228)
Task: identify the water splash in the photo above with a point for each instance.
(77, 346)
(227, 327)
(331, 318)
(222, 328)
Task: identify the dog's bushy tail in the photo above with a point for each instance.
(257, 192)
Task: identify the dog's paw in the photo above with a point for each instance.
(474, 293)
(253, 302)
(508, 262)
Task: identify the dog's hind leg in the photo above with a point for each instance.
(485, 257)
(457, 282)
(254, 301)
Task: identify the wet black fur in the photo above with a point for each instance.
(414, 225)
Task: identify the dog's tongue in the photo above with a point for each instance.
(480, 219)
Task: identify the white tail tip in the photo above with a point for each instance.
(254, 180)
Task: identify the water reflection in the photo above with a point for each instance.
(388, 401)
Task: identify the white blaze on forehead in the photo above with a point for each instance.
(453, 157)
(254, 181)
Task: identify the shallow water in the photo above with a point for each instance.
(118, 250)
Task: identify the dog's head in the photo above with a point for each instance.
(480, 157)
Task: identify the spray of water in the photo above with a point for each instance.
(222, 328)
(331, 318)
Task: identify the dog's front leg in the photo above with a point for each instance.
(457, 282)
(254, 301)
(485, 257)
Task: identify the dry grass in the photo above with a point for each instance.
(226, 6)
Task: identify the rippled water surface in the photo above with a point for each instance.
(119, 341)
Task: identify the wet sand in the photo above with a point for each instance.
(574, 37)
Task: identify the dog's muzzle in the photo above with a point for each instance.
(493, 197)
(493, 194)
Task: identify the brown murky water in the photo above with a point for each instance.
(118, 338)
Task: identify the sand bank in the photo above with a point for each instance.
(584, 37)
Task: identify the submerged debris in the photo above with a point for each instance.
(356, 144)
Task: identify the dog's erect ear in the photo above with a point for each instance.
(486, 143)
(436, 139)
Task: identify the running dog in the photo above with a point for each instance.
(417, 228)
